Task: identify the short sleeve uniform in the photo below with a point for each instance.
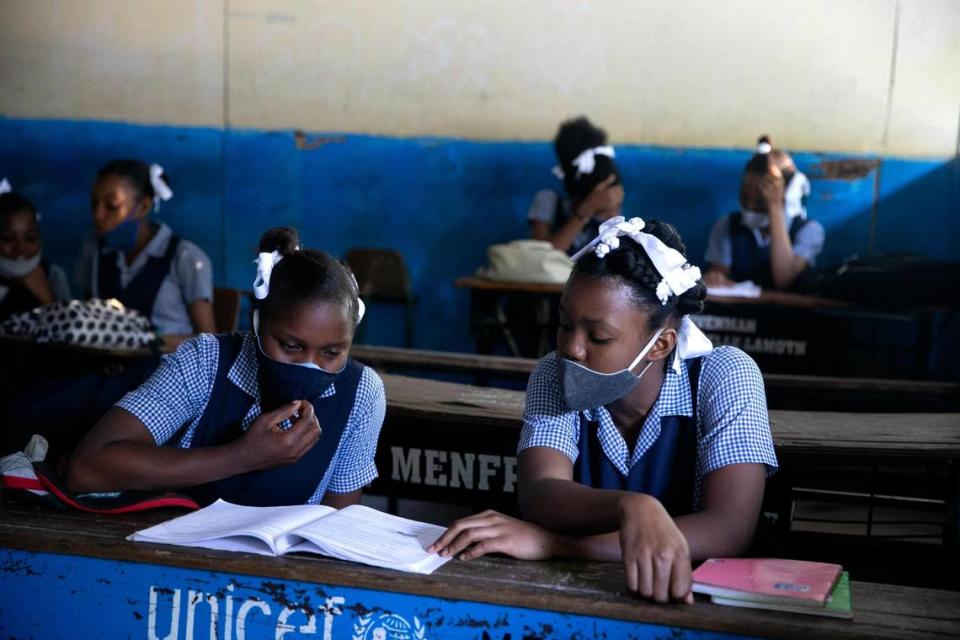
(173, 400)
(189, 279)
(553, 210)
(807, 243)
(732, 421)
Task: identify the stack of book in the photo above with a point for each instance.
(814, 588)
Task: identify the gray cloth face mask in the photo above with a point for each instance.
(583, 388)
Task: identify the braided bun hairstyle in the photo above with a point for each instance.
(630, 264)
(574, 137)
(305, 275)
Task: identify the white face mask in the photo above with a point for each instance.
(16, 268)
(755, 219)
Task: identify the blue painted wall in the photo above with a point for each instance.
(441, 202)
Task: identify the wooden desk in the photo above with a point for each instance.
(522, 315)
(456, 443)
(784, 391)
(785, 332)
(72, 575)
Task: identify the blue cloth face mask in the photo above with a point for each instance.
(123, 237)
(284, 382)
(583, 388)
(755, 219)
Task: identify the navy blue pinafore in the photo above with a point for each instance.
(666, 471)
(750, 261)
(286, 485)
(141, 292)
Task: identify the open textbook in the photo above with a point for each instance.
(355, 533)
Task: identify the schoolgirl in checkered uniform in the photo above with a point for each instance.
(641, 443)
(280, 415)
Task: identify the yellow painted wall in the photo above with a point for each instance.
(841, 75)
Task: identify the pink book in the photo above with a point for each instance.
(767, 580)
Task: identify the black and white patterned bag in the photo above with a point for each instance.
(90, 323)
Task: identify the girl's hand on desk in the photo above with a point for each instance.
(656, 557)
(493, 532)
(265, 445)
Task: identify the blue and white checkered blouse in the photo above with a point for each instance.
(732, 421)
(172, 402)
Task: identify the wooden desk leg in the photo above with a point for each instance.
(505, 328)
(543, 325)
(951, 538)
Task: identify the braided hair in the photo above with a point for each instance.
(630, 264)
(574, 137)
(305, 275)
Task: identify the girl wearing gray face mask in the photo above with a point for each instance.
(26, 280)
(641, 444)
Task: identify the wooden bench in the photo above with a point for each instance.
(784, 391)
(67, 574)
(455, 443)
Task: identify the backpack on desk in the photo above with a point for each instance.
(527, 261)
(89, 323)
(894, 281)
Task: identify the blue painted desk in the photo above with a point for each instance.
(73, 575)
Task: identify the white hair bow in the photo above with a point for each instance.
(5, 186)
(265, 264)
(764, 148)
(678, 275)
(586, 162)
(161, 189)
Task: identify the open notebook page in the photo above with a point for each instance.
(234, 527)
(372, 537)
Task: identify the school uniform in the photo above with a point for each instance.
(16, 298)
(207, 393)
(709, 414)
(555, 210)
(745, 251)
(162, 281)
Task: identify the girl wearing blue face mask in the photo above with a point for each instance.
(141, 263)
(641, 443)
(26, 279)
(769, 241)
(281, 415)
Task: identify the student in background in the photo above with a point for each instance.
(280, 415)
(593, 192)
(141, 263)
(770, 240)
(641, 443)
(26, 279)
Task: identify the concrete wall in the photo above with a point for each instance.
(859, 76)
(423, 126)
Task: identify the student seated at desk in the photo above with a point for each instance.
(640, 443)
(769, 241)
(141, 263)
(593, 189)
(281, 415)
(26, 279)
